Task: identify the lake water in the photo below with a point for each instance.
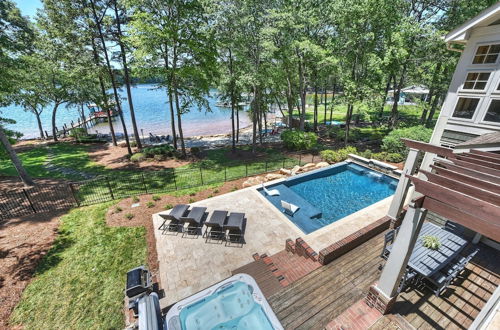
(151, 111)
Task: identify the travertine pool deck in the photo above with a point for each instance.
(188, 265)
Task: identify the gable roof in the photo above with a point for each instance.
(484, 18)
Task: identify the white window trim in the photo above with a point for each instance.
(474, 115)
(486, 108)
(483, 65)
(477, 91)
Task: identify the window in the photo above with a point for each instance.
(465, 107)
(493, 113)
(476, 80)
(486, 54)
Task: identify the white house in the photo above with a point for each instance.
(472, 105)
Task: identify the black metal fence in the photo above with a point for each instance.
(46, 198)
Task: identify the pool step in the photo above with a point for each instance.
(288, 195)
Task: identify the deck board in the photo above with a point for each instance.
(268, 283)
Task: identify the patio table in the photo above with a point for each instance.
(426, 261)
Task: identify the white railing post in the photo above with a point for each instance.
(401, 192)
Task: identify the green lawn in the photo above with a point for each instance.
(79, 284)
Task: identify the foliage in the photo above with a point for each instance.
(166, 150)
(392, 157)
(118, 209)
(156, 197)
(129, 216)
(298, 140)
(392, 142)
(138, 157)
(168, 206)
(431, 242)
(150, 204)
(91, 259)
(335, 156)
(135, 199)
(195, 150)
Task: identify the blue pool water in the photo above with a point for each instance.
(327, 195)
(231, 307)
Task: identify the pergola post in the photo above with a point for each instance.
(383, 295)
(404, 184)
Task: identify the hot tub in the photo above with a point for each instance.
(235, 303)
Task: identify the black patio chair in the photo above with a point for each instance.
(453, 227)
(174, 216)
(235, 228)
(410, 277)
(439, 281)
(215, 226)
(194, 219)
(388, 239)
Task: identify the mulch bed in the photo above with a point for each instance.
(23, 242)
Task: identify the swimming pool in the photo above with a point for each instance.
(235, 303)
(329, 194)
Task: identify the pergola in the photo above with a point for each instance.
(462, 187)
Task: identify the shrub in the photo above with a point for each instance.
(168, 206)
(137, 157)
(234, 188)
(132, 143)
(160, 158)
(191, 200)
(118, 209)
(150, 204)
(338, 133)
(392, 142)
(298, 140)
(431, 242)
(195, 150)
(334, 156)
(166, 150)
(78, 131)
(155, 197)
(192, 194)
(135, 199)
(367, 153)
(216, 191)
(129, 216)
(392, 157)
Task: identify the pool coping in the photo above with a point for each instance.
(342, 232)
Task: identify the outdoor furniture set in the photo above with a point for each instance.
(433, 268)
(221, 225)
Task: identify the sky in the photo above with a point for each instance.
(28, 7)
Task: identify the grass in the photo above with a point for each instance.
(79, 283)
(32, 160)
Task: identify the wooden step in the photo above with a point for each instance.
(264, 277)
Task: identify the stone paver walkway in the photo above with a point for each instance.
(51, 167)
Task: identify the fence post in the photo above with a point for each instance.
(246, 170)
(201, 175)
(29, 200)
(109, 187)
(144, 183)
(225, 173)
(175, 181)
(283, 162)
(312, 159)
(266, 165)
(73, 193)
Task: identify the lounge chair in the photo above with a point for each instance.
(174, 216)
(289, 208)
(215, 225)
(272, 192)
(234, 228)
(194, 220)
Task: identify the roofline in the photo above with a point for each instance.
(483, 15)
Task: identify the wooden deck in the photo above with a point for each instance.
(266, 280)
(318, 298)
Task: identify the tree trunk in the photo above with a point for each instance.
(397, 94)
(233, 101)
(179, 121)
(325, 100)
(25, 177)
(434, 106)
(384, 97)
(333, 100)
(127, 78)
(315, 126)
(54, 129)
(111, 75)
(170, 99)
(350, 108)
(289, 99)
(82, 116)
(39, 122)
(104, 95)
(302, 94)
(237, 124)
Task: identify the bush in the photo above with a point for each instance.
(166, 150)
(392, 142)
(78, 131)
(392, 157)
(195, 150)
(168, 206)
(137, 157)
(298, 140)
(335, 156)
(338, 133)
(129, 216)
(118, 209)
(160, 158)
(367, 153)
(191, 200)
(135, 199)
(155, 198)
(150, 204)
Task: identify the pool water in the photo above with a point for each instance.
(230, 307)
(335, 192)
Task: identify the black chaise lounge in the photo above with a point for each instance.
(194, 220)
(235, 228)
(215, 226)
(174, 216)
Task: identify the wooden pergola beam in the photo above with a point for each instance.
(477, 161)
(481, 157)
(485, 153)
(477, 167)
(427, 147)
(465, 203)
(485, 228)
(462, 187)
(471, 180)
(468, 171)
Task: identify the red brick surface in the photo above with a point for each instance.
(357, 317)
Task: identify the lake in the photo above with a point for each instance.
(151, 111)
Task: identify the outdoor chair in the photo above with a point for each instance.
(460, 263)
(410, 277)
(388, 240)
(174, 216)
(289, 208)
(235, 228)
(453, 227)
(215, 226)
(194, 219)
(440, 281)
(272, 192)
